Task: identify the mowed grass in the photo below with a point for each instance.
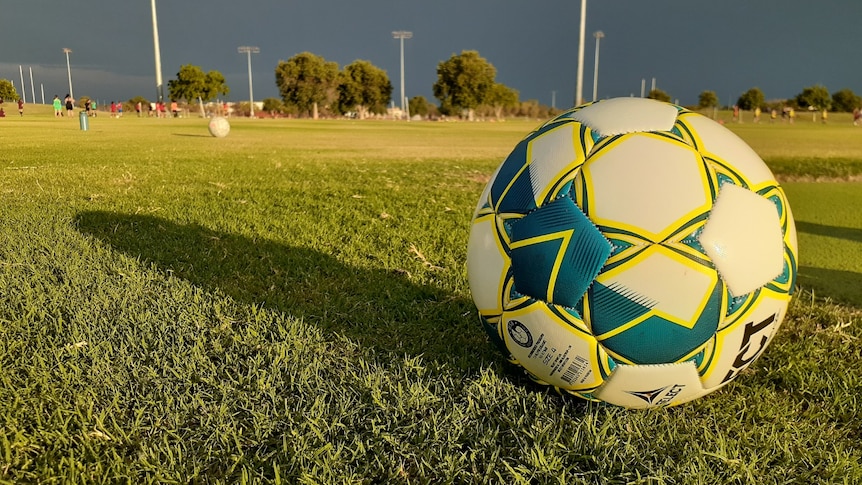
(289, 305)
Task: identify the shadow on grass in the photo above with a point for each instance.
(378, 309)
(843, 286)
(849, 233)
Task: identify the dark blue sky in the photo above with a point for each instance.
(728, 46)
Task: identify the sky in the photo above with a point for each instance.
(687, 46)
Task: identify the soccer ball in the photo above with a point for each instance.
(219, 127)
(633, 252)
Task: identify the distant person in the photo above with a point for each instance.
(2, 112)
(757, 114)
(88, 106)
(824, 117)
(138, 108)
(174, 109)
(119, 109)
(20, 107)
(95, 107)
(113, 109)
(736, 113)
(857, 116)
(58, 107)
(792, 115)
(70, 104)
(773, 115)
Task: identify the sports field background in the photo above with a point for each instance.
(289, 304)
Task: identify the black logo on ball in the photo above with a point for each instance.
(520, 334)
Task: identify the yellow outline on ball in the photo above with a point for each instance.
(688, 263)
(566, 237)
(591, 342)
(671, 228)
(571, 168)
(507, 263)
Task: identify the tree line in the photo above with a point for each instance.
(815, 97)
(466, 86)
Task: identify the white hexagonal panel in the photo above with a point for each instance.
(487, 265)
(646, 386)
(718, 141)
(743, 237)
(647, 184)
(486, 192)
(551, 155)
(627, 115)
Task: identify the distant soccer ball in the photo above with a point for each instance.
(633, 252)
(219, 127)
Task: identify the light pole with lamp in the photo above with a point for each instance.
(579, 90)
(249, 50)
(68, 71)
(160, 88)
(599, 35)
(402, 34)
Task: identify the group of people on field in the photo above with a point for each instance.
(68, 102)
(20, 108)
(788, 115)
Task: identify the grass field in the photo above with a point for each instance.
(289, 305)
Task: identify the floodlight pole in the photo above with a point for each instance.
(598, 35)
(249, 50)
(579, 91)
(160, 88)
(402, 34)
(68, 70)
(33, 88)
(23, 86)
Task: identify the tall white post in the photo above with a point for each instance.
(579, 91)
(69, 70)
(598, 35)
(23, 88)
(402, 34)
(160, 88)
(249, 50)
(32, 87)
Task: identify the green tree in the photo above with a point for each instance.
(307, 81)
(816, 97)
(846, 100)
(707, 99)
(363, 87)
(215, 85)
(273, 106)
(501, 97)
(193, 84)
(751, 99)
(419, 106)
(659, 95)
(7, 90)
(463, 82)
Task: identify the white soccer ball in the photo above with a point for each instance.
(633, 252)
(219, 127)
